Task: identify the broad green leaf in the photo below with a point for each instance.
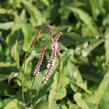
(2, 11)
(64, 106)
(75, 72)
(77, 77)
(1, 104)
(52, 94)
(17, 3)
(57, 91)
(71, 39)
(14, 104)
(60, 93)
(95, 8)
(102, 88)
(46, 2)
(44, 105)
(87, 20)
(51, 98)
(72, 105)
(64, 12)
(64, 77)
(106, 21)
(81, 103)
(14, 35)
(36, 15)
(6, 26)
(104, 103)
(102, 5)
(27, 36)
(90, 100)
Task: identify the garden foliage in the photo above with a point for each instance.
(80, 77)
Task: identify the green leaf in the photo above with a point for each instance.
(6, 26)
(52, 98)
(60, 93)
(102, 88)
(3, 77)
(64, 12)
(72, 105)
(11, 76)
(56, 92)
(1, 53)
(26, 29)
(7, 64)
(36, 15)
(106, 21)
(14, 35)
(107, 45)
(1, 104)
(28, 60)
(95, 8)
(44, 105)
(27, 67)
(87, 20)
(75, 72)
(104, 104)
(90, 100)
(15, 54)
(81, 103)
(13, 104)
(46, 2)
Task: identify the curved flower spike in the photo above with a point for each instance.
(51, 61)
(57, 36)
(37, 68)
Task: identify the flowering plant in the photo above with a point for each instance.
(51, 61)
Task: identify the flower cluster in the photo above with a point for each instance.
(51, 61)
(37, 68)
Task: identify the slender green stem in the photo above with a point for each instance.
(23, 77)
(60, 70)
(22, 88)
(32, 86)
(37, 95)
(31, 97)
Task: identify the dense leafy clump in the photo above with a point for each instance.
(80, 77)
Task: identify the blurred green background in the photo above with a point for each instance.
(80, 77)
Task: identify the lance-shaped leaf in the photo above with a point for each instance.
(89, 24)
(27, 35)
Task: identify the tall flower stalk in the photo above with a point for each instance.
(51, 61)
(37, 68)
